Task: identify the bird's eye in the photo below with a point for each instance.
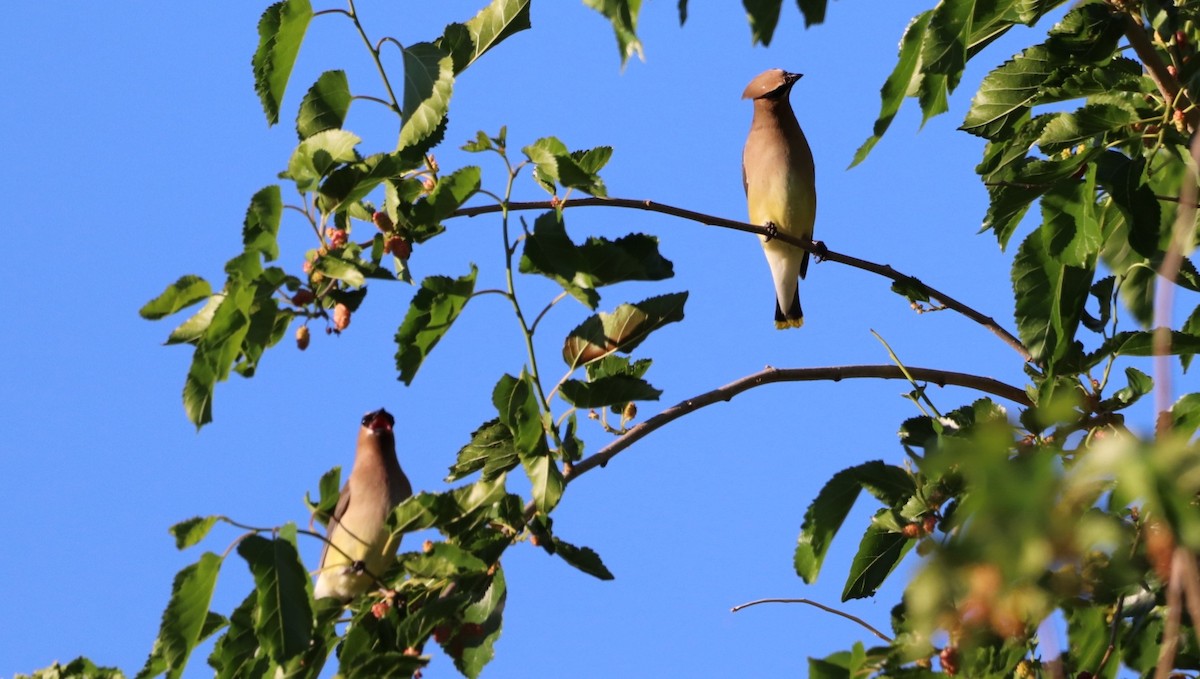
(366, 420)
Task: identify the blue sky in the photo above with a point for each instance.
(135, 142)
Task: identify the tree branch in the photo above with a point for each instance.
(828, 609)
(770, 375)
(1168, 85)
(880, 269)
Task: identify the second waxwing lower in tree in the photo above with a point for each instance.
(780, 183)
(360, 547)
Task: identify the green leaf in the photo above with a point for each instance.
(450, 192)
(486, 612)
(554, 164)
(623, 14)
(179, 295)
(280, 31)
(1124, 179)
(583, 558)
(1008, 91)
(329, 488)
(340, 266)
(428, 83)
(1138, 384)
(191, 330)
(325, 106)
(944, 51)
(1190, 326)
(580, 269)
(184, 619)
(235, 654)
(283, 617)
(813, 11)
(898, 84)
(79, 667)
(546, 479)
(763, 16)
(516, 400)
(892, 485)
(1069, 222)
(1050, 297)
(192, 531)
(493, 24)
(491, 449)
(261, 226)
(1185, 415)
(608, 391)
(318, 155)
(1141, 343)
(351, 183)
(622, 330)
(1063, 130)
(443, 560)
(878, 553)
(1102, 290)
(433, 310)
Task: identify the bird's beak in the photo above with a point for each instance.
(380, 420)
(791, 78)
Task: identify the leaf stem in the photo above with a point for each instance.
(880, 269)
(810, 602)
(387, 84)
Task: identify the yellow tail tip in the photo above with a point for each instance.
(789, 323)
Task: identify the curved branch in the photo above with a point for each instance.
(880, 269)
(827, 609)
(770, 375)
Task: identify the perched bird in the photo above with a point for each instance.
(781, 192)
(361, 547)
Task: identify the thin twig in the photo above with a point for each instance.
(880, 269)
(1167, 84)
(828, 609)
(1112, 636)
(770, 375)
(1191, 588)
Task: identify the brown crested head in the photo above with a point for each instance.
(771, 84)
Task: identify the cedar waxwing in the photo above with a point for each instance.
(781, 192)
(362, 548)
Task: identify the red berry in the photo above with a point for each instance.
(930, 524)
(472, 629)
(441, 633)
(303, 297)
(382, 221)
(337, 237)
(949, 658)
(1181, 38)
(398, 246)
(380, 609)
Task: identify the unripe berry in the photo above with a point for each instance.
(341, 317)
(534, 540)
(302, 337)
(428, 184)
(411, 652)
(911, 530)
(427, 546)
(1172, 70)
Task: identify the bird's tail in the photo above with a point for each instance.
(794, 318)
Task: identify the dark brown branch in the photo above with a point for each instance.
(881, 269)
(828, 609)
(770, 375)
